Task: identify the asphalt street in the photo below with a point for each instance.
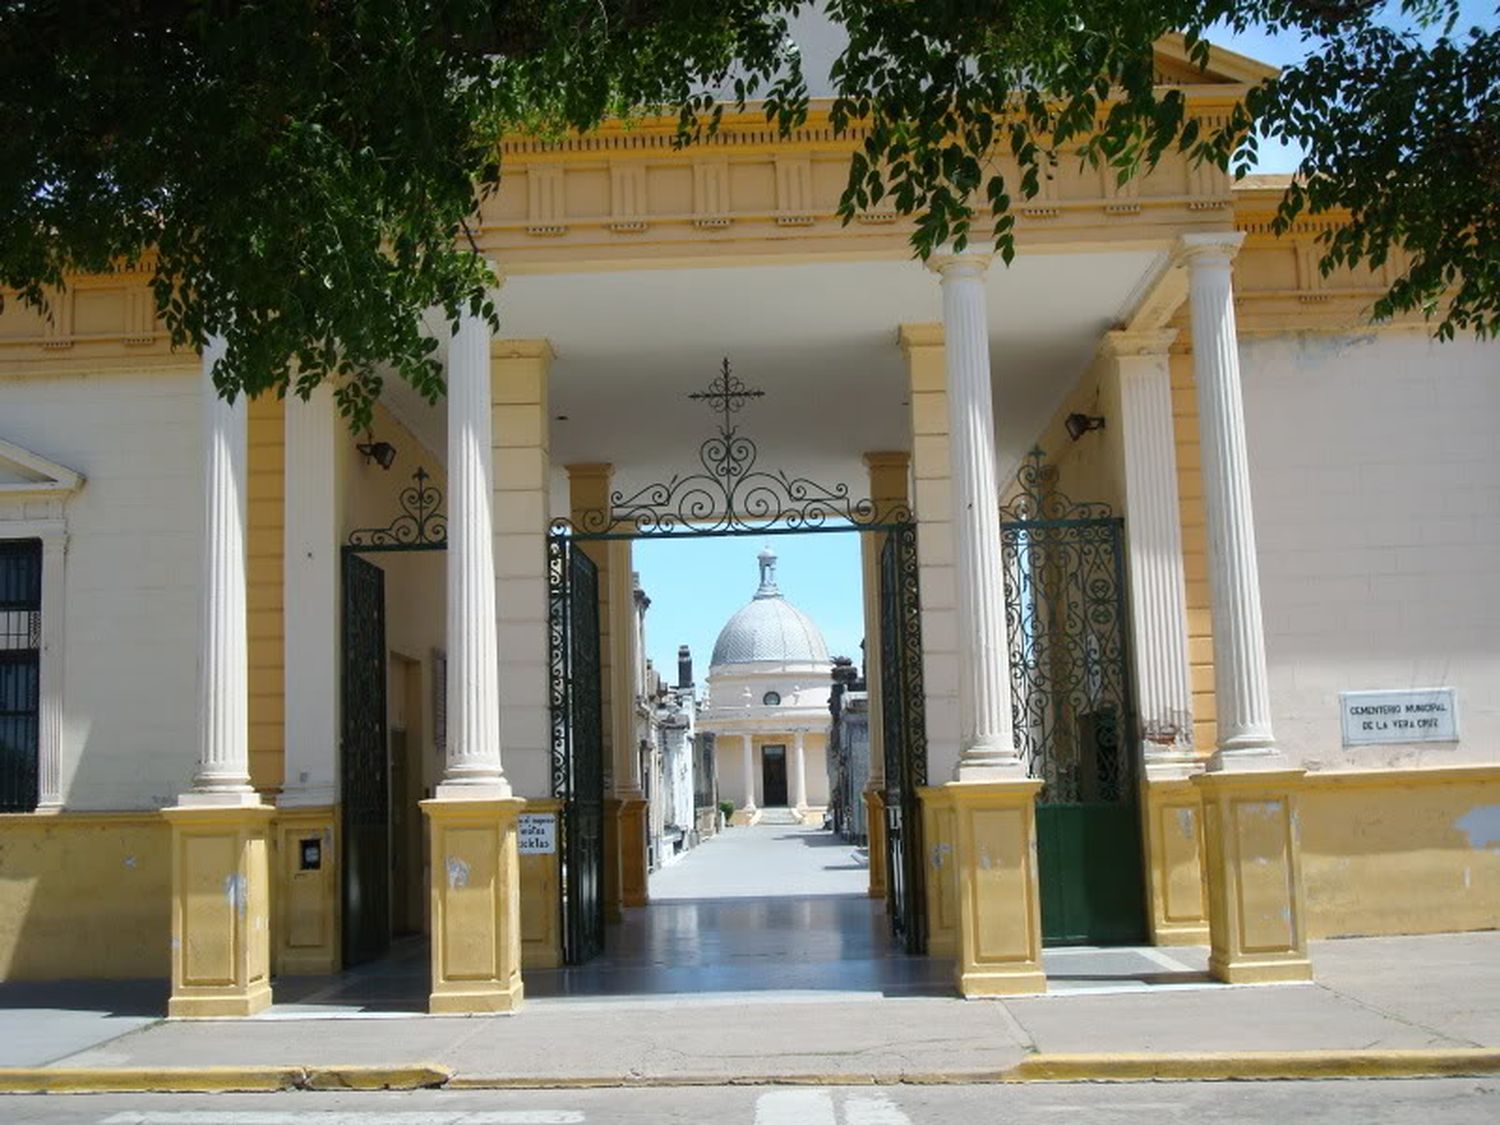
(1430, 1101)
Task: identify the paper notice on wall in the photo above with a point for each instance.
(538, 833)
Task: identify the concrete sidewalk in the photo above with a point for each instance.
(1386, 995)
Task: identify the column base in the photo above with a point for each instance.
(633, 852)
(476, 905)
(875, 836)
(221, 927)
(743, 818)
(1253, 864)
(999, 909)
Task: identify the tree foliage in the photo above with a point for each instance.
(302, 176)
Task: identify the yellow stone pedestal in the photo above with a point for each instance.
(633, 862)
(1253, 862)
(476, 905)
(875, 832)
(999, 910)
(221, 918)
(305, 905)
(939, 871)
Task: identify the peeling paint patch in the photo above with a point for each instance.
(458, 873)
(1185, 824)
(235, 892)
(940, 854)
(1482, 826)
(130, 862)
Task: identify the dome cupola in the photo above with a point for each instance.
(770, 630)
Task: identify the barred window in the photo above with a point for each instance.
(20, 672)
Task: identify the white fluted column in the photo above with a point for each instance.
(749, 775)
(1147, 447)
(986, 741)
(1242, 696)
(310, 577)
(473, 761)
(799, 771)
(223, 776)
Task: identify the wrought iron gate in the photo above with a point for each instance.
(364, 766)
(1073, 707)
(20, 673)
(904, 732)
(577, 742)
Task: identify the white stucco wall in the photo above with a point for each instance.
(130, 660)
(1375, 468)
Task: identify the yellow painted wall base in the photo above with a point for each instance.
(999, 909)
(1178, 895)
(939, 871)
(85, 896)
(305, 906)
(541, 896)
(633, 853)
(875, 829)
(1412, 851)
(1257, 919)
(476, 905)
(221, 925)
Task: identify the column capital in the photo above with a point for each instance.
(913, 337)
(968, 263)
(1215, 248)
(892, 459)
(1138, 342)
(504, 347)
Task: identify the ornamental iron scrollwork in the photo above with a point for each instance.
(1037, 496)
(729, 492)
(421, 524)
(1071, 701)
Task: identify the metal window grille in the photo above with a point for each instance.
(20, 672)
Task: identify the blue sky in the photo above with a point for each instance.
(695, 584)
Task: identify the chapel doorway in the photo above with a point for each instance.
(773, 776)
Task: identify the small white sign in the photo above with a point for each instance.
(1370, 718)
(538, 832)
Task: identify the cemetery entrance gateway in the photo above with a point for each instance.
(727, 495)
(1073, 707)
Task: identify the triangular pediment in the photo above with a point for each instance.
(1225, 67)
(24, 472)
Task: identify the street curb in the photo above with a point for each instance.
(1207, 1066)
(1104, 1067)
(218, 1079)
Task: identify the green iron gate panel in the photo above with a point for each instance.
(904, 731)
(1073, 708)
(20, 672)
(577, 743)
(365, 767)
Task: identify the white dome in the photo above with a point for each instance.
(770, 629)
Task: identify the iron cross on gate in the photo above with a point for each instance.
(727, 394)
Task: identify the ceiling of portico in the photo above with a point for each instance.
(819, 339)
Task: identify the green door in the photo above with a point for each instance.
(1073, 708)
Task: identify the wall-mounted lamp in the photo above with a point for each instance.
(1079, 424)
(383, 453)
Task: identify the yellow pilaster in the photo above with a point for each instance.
(476, 905)
(940, 871)
(875, 826)
(305, 909)
(221, 924)
(541, 895)
(633, 852)
(999, 910)
(890, 495)
(1256, 913)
